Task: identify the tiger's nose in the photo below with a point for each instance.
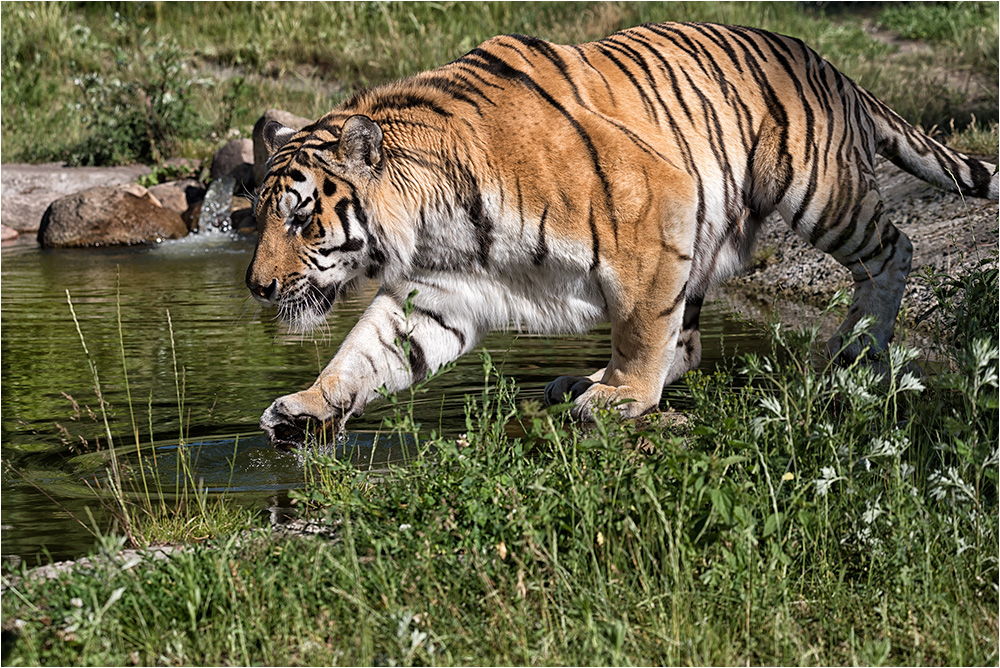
(266, 294)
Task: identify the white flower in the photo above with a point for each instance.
(827, 476)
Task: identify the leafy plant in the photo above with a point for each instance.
(141, 108)
(166, 172)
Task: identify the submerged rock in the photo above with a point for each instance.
(108, 216)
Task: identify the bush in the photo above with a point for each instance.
(141, 109)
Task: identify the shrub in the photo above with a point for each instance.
(140, 109)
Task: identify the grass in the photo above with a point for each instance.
(151, 515)
(145, 81)
(976, 139)
(797, 516)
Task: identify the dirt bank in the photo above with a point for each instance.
(949, 234)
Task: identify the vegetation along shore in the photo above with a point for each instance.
(779, 510)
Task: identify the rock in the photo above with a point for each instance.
(259, 150)
(108, 216)
(179, 195)
(235, 159)
(191, 216)
(242, 219)
(28, 190)
(8, 233)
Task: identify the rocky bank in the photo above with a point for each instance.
(950, 234)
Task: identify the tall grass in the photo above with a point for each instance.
(149, 515)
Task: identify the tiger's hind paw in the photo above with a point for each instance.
(589, 396)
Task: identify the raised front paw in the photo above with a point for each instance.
(292, 419)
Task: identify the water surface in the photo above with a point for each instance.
(202, 362)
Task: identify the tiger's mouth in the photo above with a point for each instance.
(308, 309)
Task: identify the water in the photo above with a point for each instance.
(202, 360)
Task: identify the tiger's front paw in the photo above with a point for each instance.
(291, 419)
(624, 399)
(566, 386)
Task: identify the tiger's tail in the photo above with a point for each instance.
(911, 150)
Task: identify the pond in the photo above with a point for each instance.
(204, 361)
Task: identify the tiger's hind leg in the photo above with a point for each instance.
(687, 356)
(687, 353)
(878, 256)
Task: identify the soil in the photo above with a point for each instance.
(950, 235)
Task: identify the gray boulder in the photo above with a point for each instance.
(259, 150)
(28, 190)
(235, 159)
(108, 216)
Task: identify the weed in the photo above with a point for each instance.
(967, 28)
(166, 172)
(975, 139)
(140, 109)
(247, 61)
(802, 515)
(142, 512)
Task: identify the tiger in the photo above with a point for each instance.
(548, 188)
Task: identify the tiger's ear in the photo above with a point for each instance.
(360, 142)
(276, 135)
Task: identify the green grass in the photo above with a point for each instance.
(976, 139)
(798, 516)
(224, 64)
(967, 31)
(147, 513)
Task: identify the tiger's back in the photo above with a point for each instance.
(549, 187)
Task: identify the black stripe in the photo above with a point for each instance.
(455, 88)
(549, 52)
(595, 241)
(415, 355)
(715, 35)
(607, 86)
(647, 102)
(673, 306)
(665, 66)
(498, 67)
(541, 247)
(402, 101)
(439, 319)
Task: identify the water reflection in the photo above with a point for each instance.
(201, 362)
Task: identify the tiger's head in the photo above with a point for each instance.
(314, 237)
